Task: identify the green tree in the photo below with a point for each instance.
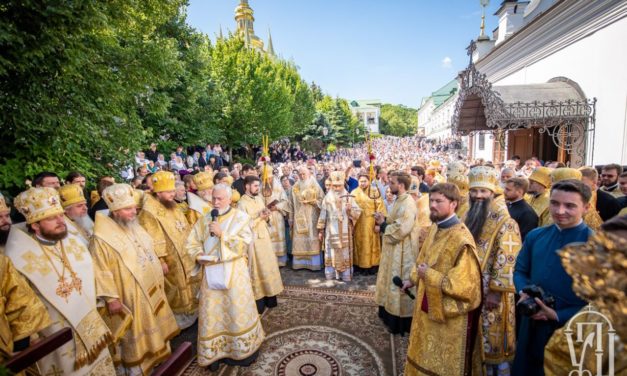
(75, 78)
(398, 120)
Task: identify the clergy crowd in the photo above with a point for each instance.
(469, 256)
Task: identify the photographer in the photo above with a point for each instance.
(540, 273)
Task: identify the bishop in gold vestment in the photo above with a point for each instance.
(128, 271)
(339, 211)
(443, 338)
(264, 269)
(22, 314)
(304, 210)
(199, 203)
(229, 326)
(367, 241)
(60, 270)
(400, 247)
(498, 242)
(169, 229)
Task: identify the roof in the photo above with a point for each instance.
(445, 92)
(365, 103)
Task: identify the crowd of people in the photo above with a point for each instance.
(467, 254)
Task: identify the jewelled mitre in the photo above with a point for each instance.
(163, 181)
(203, 180)
(483, 177)
(36, 204)
(119, 196)
(456, 174)
(337, 178)
(71, 194)
(4, 208)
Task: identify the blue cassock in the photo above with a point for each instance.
(539, 264)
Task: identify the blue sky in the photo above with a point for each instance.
(397, 51)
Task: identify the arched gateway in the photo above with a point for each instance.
(552, 120)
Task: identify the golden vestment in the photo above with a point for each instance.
(497, 248)
(71, 306)
(616, 192)
(557, 353)
(336, 222)
(463, 206)
(264, 269)
(304, 211)
(398, 254)
(128, 269)
(169, 230)
(228, 322)
(277, 221)
(22, 314)
(439, 343)
(198, 207)
(367, 242)
(183, 206)
(540, 205)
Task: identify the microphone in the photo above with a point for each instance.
(214, 216)
(399, 282)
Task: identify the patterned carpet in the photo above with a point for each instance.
(322, 332)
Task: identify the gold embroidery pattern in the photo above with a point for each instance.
(36, 263)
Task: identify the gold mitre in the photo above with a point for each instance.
(4, 208)
(229, 179)
(203, 180)
(456, 174)
(483, 177)
(541, 175)
(71, 194)
(337, 178)
(163, 181)
(119, 196)
(38, 203)
(565, 173)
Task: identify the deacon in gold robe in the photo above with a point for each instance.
(538, 194)
(367, 239)
(498, 242)
(129, 279)
(398, 254)
(304, 210)
(335, 225)
(594, 341)
(22, 314)
(169, 229)
(229, 327)
(443, 338)
(200, 202)
(60, 271)
(275, 199)
(264, 269)
(75, 206)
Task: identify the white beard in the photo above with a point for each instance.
(85, 223)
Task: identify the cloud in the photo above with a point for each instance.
(447, 62)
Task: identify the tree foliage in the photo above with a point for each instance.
(398, 120)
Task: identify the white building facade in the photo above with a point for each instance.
(368, 112)
(576, 42)
(436, 111)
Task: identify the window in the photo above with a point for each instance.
(481, 141)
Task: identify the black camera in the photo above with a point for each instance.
(529, 306)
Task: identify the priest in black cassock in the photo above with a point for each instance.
(514, 192)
